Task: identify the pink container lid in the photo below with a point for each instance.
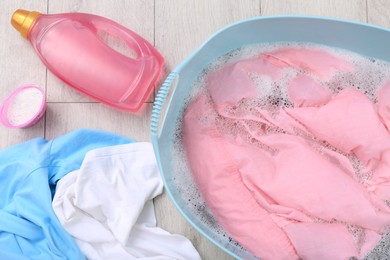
(23, 107)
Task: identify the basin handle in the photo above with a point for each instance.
(159, 103)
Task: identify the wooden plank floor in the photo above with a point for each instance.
(176, 28)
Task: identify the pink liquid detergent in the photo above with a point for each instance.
(71, 47)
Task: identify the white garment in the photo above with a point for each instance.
(107, 206)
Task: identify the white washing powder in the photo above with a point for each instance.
(24, 106)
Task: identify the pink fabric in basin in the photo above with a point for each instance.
(305, 91)
(300, 178)
(284, 183)
(319, 62)
(350, 123)
(224, 190)
(281, 192)
(384, 104)
(325, 246)
(223, 83)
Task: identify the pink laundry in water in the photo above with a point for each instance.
(308, 186)
(230, 189)
(332, 241)
(382, 172)
(223, 83)
(384, 104)
(305, 91)
(317, 61)
(355, 128)
(348, 122)
(284, 195)
(223, 190)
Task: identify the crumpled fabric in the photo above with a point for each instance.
(107, 206)
(383, 104)
(317, 61)
(304, 91)
(268, 178)
(29, 173)
(223, 190)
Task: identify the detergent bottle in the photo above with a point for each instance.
(73, 47)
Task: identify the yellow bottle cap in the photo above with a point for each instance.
(23, 20)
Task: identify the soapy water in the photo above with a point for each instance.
(369, 74)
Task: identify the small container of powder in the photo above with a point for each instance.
(23, 107)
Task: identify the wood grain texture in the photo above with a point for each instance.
(347, 9)
(378, 12)
(182, 26)
(65, 117)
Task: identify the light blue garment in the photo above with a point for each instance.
(29, 229)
